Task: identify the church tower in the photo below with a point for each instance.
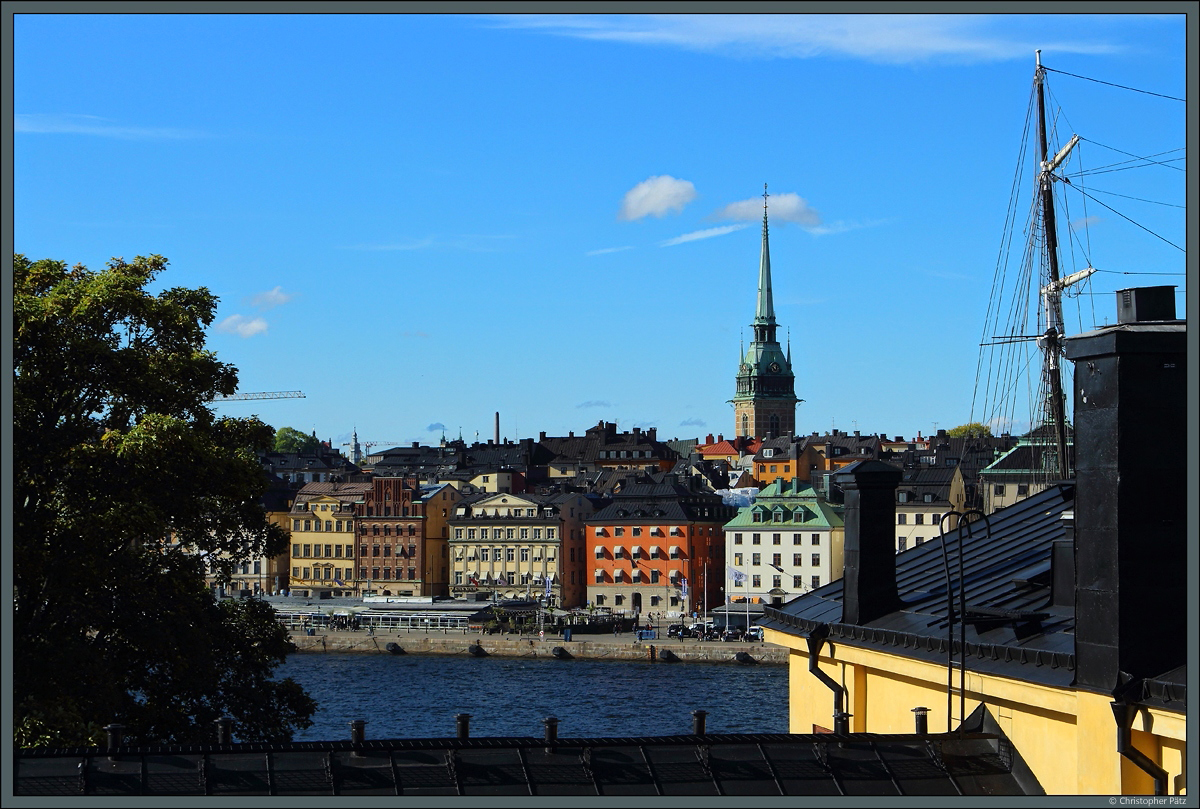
(765, 402)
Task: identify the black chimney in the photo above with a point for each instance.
(1130, 501)
(869, 581)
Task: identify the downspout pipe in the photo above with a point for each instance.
(841, 719)
(1123, 712)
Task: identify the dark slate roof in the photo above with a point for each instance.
(1023, 458)
(717, 765)
(1013, 628)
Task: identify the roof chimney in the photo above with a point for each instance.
(869, 581)
(1129, 392)
(708, 439)
(497, 426)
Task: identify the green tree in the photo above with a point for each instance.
(289, 439)
(974, 430)
(116, 452)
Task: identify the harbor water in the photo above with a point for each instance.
(418, 696)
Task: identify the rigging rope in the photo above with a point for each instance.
(1110, 84)
(1127, 219)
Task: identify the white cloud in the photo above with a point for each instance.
(71, 124)
(271, 298)
(604, 250)
(593, 403)
(780, 207)
(1084, 222)
(242, 326)
(656, 196)
(707, 233)
(885, 38)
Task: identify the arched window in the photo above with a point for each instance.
(412, 530)
(745, 424)
(774, 424)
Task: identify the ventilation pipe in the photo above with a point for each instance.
(841, 719)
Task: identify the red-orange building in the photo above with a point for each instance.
(650, 540)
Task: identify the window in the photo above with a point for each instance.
(756, 582)
(329, 551)
(497, 533)
(599, 577)
(618, 532)
(599, 552)
(920, 540)
(998, 490)
(776, 559)
(756, 559)
(1022, 489)
(795, 539)
(387, 572)
(524, 533)
(363, 548)
(901, 497)
(307, 552)
(776, 539)
(901, 519)
(316, 525)
(329, 525)
(483, 554)
(374, 573)
(620, 599)
(458, 577)
(295, 573)
(339, 524)
(737, 539)
(918, 519)
(816, 539)
(773, 470)
(816, 560)
(737, 560)
(797, 559)
(549, 533)
(902, 544)
(295, 525)
(776, 581)
(374, 550)
(458, 533)
(510, 555)
(362, 572)
(654, 601)
(509, 534)
(654, 576)
(637, 532)
(816, 581)
(387, 550)
(756, 539)
(308, 525)
(537, 533)
(935, 518)
(524, 554)
(797, 582)
(295, 550)
(306, 573)
(470, 533)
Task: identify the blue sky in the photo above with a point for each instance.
(421, 220)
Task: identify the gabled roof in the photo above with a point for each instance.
(1013, 628)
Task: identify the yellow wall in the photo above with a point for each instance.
(1067, 737)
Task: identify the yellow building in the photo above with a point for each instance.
(1074, 606)
(323, 537)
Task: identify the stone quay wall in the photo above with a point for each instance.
(617, 648)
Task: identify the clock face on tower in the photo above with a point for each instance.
(774, 368)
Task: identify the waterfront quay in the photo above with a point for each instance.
(625, 646)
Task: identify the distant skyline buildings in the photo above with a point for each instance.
(412, 220)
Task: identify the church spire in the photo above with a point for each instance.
(765, 313)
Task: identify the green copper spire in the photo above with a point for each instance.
(765, 314)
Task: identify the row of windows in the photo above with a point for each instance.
(636, 576)
(387, 512)
(387, 550)
(626, 453)
(777, 559)
(918, 519)
(387, 530)
(323, 573)
(507, 533)
(386, 573)
(636, 552)
(325, 507)
(506, 555)
(777, 539)
(315, 525)
(1022, 489)
(902, 543)
(510, 577)
(762, 467)
(619, 600)
(331, 551)
(777, 582)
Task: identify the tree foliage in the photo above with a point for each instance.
(289, 439)
(116, 452)
(973, 429)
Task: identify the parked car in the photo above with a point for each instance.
(731, 633)
(755, 633)
(675, 631)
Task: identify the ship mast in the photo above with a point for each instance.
(1052, 291)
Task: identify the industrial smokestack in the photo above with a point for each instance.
(497, 426)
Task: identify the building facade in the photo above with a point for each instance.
(323, 538)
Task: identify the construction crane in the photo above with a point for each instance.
(274, 394)
(356, 446)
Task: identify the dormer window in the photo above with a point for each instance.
(768, 453)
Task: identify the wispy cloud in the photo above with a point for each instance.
(593, 403)
(1085, 222)
(656, 196)
(707, 233)
(604, 250)
(883, 38)
(693, 423)
(242, 326)
(787, 207)
(271, 298)
(71, 124)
